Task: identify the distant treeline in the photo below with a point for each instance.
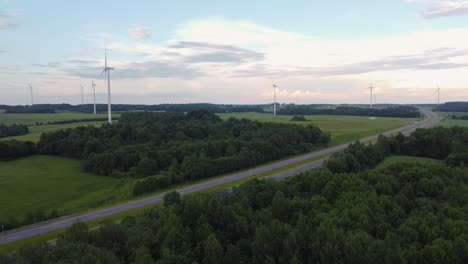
(452, 107)
(449, 144)
(89, 108)
(20, 109)
(397, 111)
(176, 147)
(460, 117)
(13, 130)
(82, 120)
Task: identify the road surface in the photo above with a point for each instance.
(430, 119)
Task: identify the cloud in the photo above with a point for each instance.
(139, 33)
(83, 61)
(48, 65)
(447, 8)
(6, 24)
(213, 53)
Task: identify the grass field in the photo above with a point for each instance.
(343, 129)
(400, 159)
(447, 122)
(36, 131)
(31, 119)
(49, 182)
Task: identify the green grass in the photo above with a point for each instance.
(31, 119)
(343, 129)
(401, 159)
(36, 131)
(49, 182)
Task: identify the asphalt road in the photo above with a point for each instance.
(57, 224)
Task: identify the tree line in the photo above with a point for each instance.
(449, 144)
(405, 213)
(13, 130)
(13, 149)
(102, 108)
(171, 148)
(397, 111)
(452, 107)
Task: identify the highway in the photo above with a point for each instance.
(430, 119)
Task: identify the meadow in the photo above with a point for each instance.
(343, 129)
(49, 182)
(35, 131)
(31, 119)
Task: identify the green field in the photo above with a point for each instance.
(31, 119)
(49, 182)
(447, 122)
(36, 131)
(343, 129)
(401, 159)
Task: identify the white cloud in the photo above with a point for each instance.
(447, 8)
(139, 33)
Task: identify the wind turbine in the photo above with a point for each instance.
(94, 95)
(106, 71)
(274, 97)
(371, 96)
(82, 96)
(32, 99)
(438, 95)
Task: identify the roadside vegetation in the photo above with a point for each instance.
(401, 213)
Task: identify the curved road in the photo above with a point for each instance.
(42, 228)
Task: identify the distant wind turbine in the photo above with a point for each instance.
(274, 97)
(32, 99)
(82, 96)
(371, 96)
(106, 71)
(94, 95)
(438, 95)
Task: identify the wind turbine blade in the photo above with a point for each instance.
(103, 72)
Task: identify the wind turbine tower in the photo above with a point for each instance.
(106, 71)
(438, 95)
(274, 98)
(94, 95)
(371, 96)
(82, 96)
(32, 99)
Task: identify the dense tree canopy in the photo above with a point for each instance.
(453, 107)
(13, 130)
(449, 144)
(406, 213)
(397, 111)
(13, 149)
(177, 147)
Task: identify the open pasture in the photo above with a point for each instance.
(49, 183)
(343, 129)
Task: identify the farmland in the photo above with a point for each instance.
(342, 129)
(47, 182)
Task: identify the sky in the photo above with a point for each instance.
(230, 52)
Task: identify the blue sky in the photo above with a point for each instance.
(228, 51)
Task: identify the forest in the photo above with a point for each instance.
(452, 107)
(89, 108)
(449, 144)
(13, 130)
(405, 213)
(396, 111)
(170, 148)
